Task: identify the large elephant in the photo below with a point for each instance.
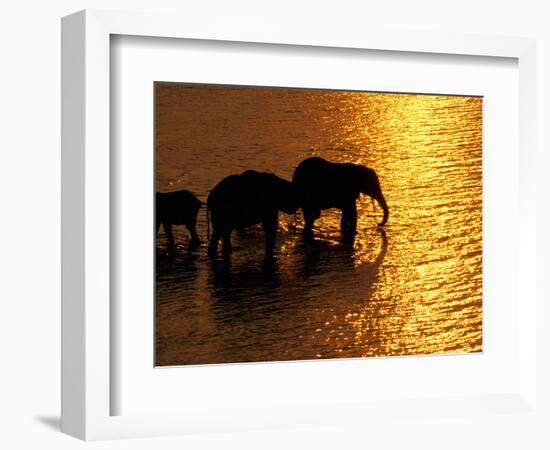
(321, 184)
(177, 208)
(247, 199)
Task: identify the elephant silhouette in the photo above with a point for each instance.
(177, 208)
(251, 198)
(321, 184)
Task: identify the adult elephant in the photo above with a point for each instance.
(251, 198)
(321, 184)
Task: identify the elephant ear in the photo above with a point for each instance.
(349, 179)
(369, 183)
(365, 178)
(286, 198)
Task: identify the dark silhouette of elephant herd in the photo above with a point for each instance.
(252, 198)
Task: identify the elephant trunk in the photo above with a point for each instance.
(382, 202)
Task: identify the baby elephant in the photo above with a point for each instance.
(178, 208)
(248, 199)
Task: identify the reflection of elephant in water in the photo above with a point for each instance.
(242, 200)
(177, 208)
(321, 184)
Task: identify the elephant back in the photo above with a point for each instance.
(319, 183)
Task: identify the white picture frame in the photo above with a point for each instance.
(86, 221)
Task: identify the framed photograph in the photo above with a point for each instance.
(266, 228)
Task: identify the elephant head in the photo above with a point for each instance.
(286, 198)
(368, 184)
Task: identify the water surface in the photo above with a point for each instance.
(412, 288)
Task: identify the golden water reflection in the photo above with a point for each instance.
(412, 288)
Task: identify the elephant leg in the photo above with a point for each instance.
(213, 245)
(343, 221)
(192, 228)
(310, 215)
(168, 230)
(352, 219)
(270, 229)
(226, 244)
(349, 222)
